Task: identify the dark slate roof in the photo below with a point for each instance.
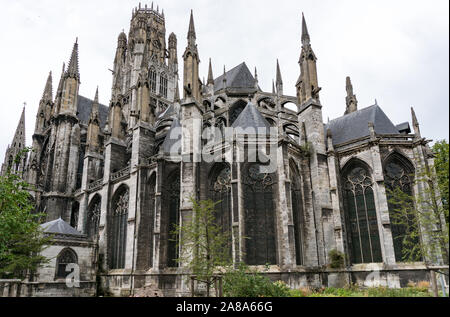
(403, 127)
(173, 136)
(356, 125)
(84, 108)
(250, 117)
(59, 226)
(239, 77)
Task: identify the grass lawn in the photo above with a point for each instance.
(355, 291)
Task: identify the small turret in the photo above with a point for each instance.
(173, 59)
(73, 69)
(45, 106)
(191, 59)
(307, 84)
(350, 100)
(94, 125)
(71, 84)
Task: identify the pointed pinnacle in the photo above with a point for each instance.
(48, 90)
(279, 80)
(191, 32)
(349, 86)
(96, 96)
(414, 118)
(72, 69)
(305, 34)
(210, 74)
(273, 86)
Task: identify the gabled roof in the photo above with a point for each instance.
(356, 125)
(239, 77)
(84, 108)
(250, 117)
(59, 226)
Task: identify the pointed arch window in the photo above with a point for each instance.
(146, 225)
(93, 217)
(259, 216)
(297, 214)
(65, 257)
(74, 214)
(398, 174)
(152, 80)
(361, 216)
(236, 110)
(163, 85)
(173, 195)
(118, 233)
(220, 191)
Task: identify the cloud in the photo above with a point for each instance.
(395, 51)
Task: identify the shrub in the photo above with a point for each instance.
(244, 282)
(336, 259)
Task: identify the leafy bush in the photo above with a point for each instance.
(336, 259)
(245, 282)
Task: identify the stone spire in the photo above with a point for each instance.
(191, 32)
(94, 110)
(48, 90)
(415, 123)
(94, 125)
(307, 84)
(224, 78)
(18, 143)
(256, 79)
(191, 81)
(210, 74)
(72, 69)
(305, 35)
(61, 80)
(273, 87)
(350, 100)
(19, 136)
(279, 81)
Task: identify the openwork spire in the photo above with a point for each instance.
(72, 69)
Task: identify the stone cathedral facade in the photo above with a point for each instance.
(122, 174)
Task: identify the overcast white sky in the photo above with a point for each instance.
(395, 51)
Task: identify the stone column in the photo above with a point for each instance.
(381, 203)
(285, 224)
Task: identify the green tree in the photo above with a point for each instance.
(424, 216)
(441, 163)
(21, 238)
(205, 247)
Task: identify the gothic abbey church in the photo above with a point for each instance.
(114, 179)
